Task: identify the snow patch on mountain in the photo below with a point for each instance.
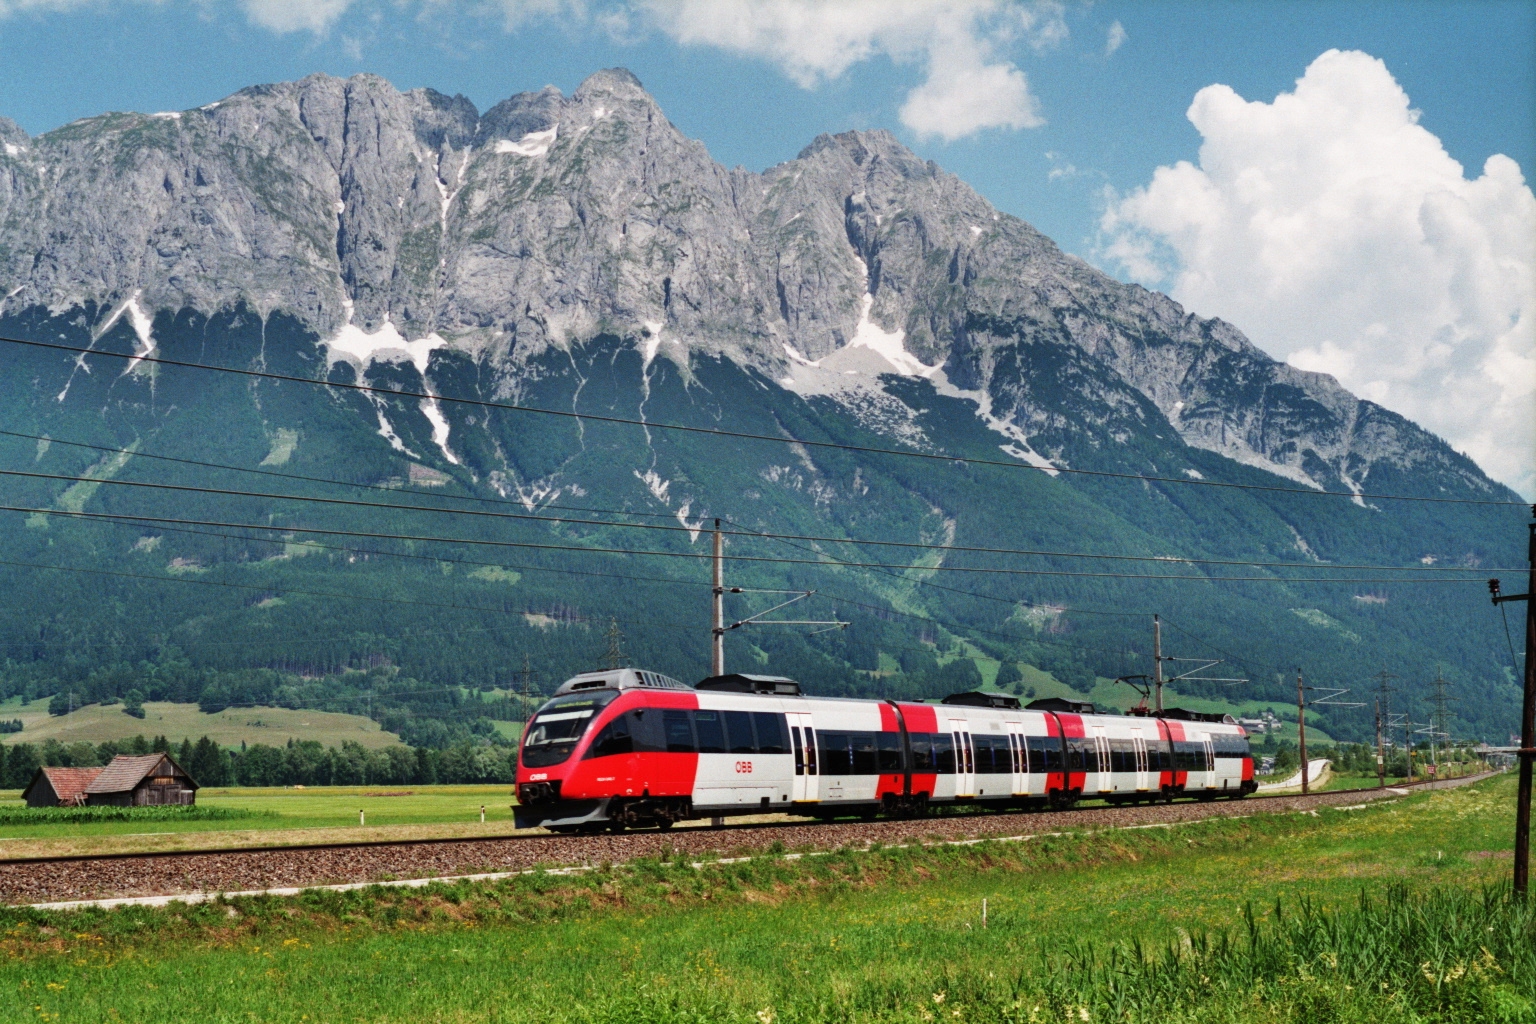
(388, 345)
(531, 145)
(1019, 447)
(655, 484)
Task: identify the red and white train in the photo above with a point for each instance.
(632, 748)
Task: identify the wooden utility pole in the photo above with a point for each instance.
(717, 618)
(1157, 660)
(1301, 729)
(1527, 718)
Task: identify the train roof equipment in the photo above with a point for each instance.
(620, 679)
(741, 682)
(1198, 716)
(1072, 707)
(977, 699)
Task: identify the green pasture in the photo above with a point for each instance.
(1386, 914)
(296, 808)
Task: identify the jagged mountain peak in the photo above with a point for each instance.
(379, 217)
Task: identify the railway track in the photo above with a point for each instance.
(89, 877)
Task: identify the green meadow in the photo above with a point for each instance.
(250, 816)
(1390, 913)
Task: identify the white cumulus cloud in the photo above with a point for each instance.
(315, 16)
(1335, 230)
(969, 85)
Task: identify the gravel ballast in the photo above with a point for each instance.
(23, 882)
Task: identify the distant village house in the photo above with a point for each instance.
(153, 780)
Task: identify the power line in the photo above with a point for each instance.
(668, 528)
(741, 435)
(327, 480)
(991, 570)
(953, 627)
(747, 531)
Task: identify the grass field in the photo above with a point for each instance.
(231, 727)
(1163, 925)
(318, 814)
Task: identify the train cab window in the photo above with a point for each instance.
(614, 738)
(679, 732)
(559, 725)
(770, 732)
(709, 728)
(944, 753)
(888, 751)
(862, 747)
(738, 729)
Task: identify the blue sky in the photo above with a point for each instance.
(1072, 116)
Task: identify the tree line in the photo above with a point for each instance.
(297, 763)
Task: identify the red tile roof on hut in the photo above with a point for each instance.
(59, 787)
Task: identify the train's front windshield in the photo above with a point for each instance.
(558, 726)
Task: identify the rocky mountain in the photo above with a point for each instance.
(554, 242)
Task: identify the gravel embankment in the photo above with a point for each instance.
(24, 882)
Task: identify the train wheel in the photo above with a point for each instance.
(665, 823)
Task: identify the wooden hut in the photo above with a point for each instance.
(59, 787)
(149, 781)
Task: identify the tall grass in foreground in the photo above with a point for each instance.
(1404, 957)
(1448, 955)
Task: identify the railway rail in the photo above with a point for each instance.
(85, 876)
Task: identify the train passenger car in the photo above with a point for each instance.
(628, 748)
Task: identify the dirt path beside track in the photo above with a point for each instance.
(23, 882)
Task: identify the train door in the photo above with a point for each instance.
(965, 758)
(806, 787)
(1209, 750)
(1106, 781)
(1143, 779)
(1020, 758)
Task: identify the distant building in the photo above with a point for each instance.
(59, 787)
(147, 781)
(153, 780)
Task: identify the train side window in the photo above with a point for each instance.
(770, 732)
(1077, 754)
(888, 751)
(646, 731)
(794, 735)
(983, 756)
(710, 730)
(922, 751)
(862, 746)
(679, 732)
(944, 753)
(836, 759)
(613, 739)
(738, 729)
(1045, 753)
